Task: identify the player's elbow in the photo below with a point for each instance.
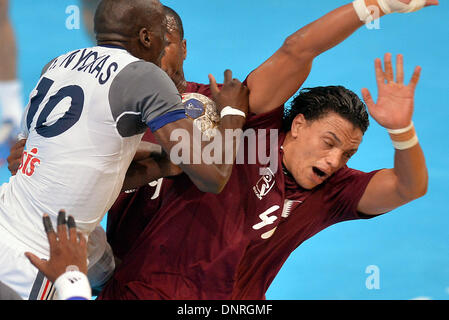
(296, 46)
(418, 191)
(214, 187)
(213, 184)
(421, 191)
(211, 188)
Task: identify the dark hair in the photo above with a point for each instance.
(172, 13)
(315, 103)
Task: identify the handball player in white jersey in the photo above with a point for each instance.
(83, 123)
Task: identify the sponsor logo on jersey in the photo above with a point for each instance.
(29, 162)
(265, 183)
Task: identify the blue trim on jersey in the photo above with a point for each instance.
(167, 118)
(113, 46)
(77, 298)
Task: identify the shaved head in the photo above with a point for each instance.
(126, 18)
(139, 26)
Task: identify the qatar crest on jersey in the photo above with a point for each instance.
(265, 183)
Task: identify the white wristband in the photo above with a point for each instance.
(399, 131)
(230, 111)
(362, 11)
(73, 285)
(402, 145)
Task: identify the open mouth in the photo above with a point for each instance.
(320, 173)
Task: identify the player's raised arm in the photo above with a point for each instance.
(407, 181)
(278, 78)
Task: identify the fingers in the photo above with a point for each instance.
(368, 99)
(61, 234)
(213, 85)
(388, 75)
(388, 68)
(400, 69)
(19, 144)
(35, 261)
(72, 229)
(48, 227)
(380, 77)
(431, 3)
(62, 230)
(227, 76)
(82, 239)
(15, 156)
(415, 77)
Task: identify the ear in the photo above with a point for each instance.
(298, 123)
(184, 49)
(145, 37)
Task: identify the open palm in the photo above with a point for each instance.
(394, 106)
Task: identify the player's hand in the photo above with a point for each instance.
(428, 2)
(404, 6)
(67, 248)
(394, 107)
(15, 156)
(168, 168)
(152, 151)
(233, 93)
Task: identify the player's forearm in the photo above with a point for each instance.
(201, 160)
(214, 170)
(326, 32)
(410, 170)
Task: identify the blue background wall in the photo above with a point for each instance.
(410, 246)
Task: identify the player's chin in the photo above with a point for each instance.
(311, 182)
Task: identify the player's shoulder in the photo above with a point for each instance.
(143, 73)
(342, 175)
(142, 67)
(348, 176)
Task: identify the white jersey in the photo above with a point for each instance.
(84, 121)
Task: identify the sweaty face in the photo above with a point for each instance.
(175, 53)
(314, 150)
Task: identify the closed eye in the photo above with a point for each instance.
(329, 143)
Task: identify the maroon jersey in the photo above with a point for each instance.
(231, 245)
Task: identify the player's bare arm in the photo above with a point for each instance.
(407, 181)
(212, 177)
(278, 78)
